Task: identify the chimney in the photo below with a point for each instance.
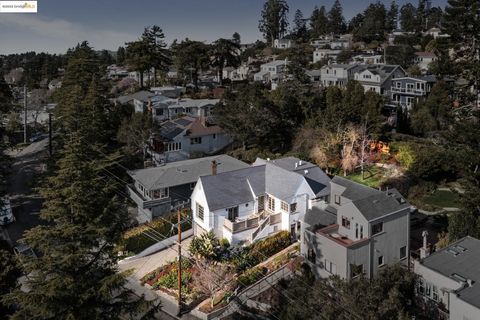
(214, 167)
(424, 250)
(296, 165)
(300, 163)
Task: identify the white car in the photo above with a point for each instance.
(6, 215)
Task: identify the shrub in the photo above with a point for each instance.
(251, 276)
(265, 248)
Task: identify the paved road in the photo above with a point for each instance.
(26, 204)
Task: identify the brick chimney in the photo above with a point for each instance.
(214, 167)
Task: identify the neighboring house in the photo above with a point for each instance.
(54, 84)
(180, 138)
(407, 91)
(378, 77)
(423, 60)
(450, 280)
(192, 107)
(141, 98)
(315, 75)
(325, 54)
(341, 43)
(272, 72)
(337, 74)
(436, 33)
(172, 92)
(239, 74)
(370, 230)
(283, 43)
(115, 72)
(368, 59)
(249, 204)
(147, 76)
(159, 190)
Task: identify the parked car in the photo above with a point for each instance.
(6, 215)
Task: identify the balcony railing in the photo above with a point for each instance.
(239, 226)
(406, 90)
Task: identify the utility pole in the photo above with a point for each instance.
(24, 114)
(179, 272)
(50, 133)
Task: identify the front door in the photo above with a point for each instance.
(293, 230)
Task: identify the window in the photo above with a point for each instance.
(356, 270)
(421, 286)
(381, 261)
(196, 140)
(192, 185)
(345, 222)
(434, 292)
(428, 289)
(174, 146)
(330, 267)
(160, 193)
(199, 212)
(284, 206)
(337, 199)
(356, 230)
(403, 252)
(214, 136)
(261, 203)
(377, 228)
(159, 112)
(271, 204)
(311, 256)
(275, 228)
(232, 213)
(293, 207)
(361, 232)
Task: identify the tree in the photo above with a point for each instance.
(319, 22)
(373, 24)
(298, 58)
(105, 57)
(299, 26)
(344, 56)
(9, 272)
(392, 17)
(350, 154)
(190, 57)
(85, 221)
(225, 54)
(158, 56)
(210, 277)
(274, 20)
(137, 59)
(336, 21)
(399, 54)
(236, 38)
(408, 18)
(120, 58)
(135, 131)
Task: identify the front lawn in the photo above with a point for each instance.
(442, 199)
(374, 176)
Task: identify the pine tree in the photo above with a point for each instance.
(120, 56)
(225, 54)
(392, 17)
(336, 21)
(190, 57)
(319, 22)
(274, 21)
(299, 26)
(408, 18)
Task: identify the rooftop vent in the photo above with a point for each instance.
(459, 277)
(300, 163)
(305, 172)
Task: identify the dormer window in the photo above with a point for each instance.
(337, 199)
(377, 228)
(345, 222)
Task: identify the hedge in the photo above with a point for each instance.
(139, 238)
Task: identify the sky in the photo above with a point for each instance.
(108, 24)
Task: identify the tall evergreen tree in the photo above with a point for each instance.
(373, 24)
(274, 20)
(120, 59)
(158, 56)
(190, 57)
(319, 22)
(408, 18)
(225, 53)
(299, 26)
(336, 21)
(236, 38)
(392, 17)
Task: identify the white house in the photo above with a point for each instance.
(450, 280)
(272, 72)
(283, 43)
(337, 74)
(245, 205)
(423, 60)
(325, 54)
(368, 59)
(378, 77)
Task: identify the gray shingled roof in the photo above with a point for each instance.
(318, 218)
(183, 172)
(371, 203)
(465, 264)
(233, 188)
(318, 181)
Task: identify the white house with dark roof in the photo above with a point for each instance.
(424, 59)
(358, 231)
(272, 72)
(245, 205)
(178, 139)
(337, 74)
(159, 190)
(378, 77)
(450, 279)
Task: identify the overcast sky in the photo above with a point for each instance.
(108, 24)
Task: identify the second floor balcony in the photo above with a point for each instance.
(410, 91)
(142, 201)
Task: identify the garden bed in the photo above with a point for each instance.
(442, 199)
(375, 176)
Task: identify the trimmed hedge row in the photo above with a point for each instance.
(139, 238)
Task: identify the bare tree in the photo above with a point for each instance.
(350, 157)
(210, 277)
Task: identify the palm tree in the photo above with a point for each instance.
(225, 53)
